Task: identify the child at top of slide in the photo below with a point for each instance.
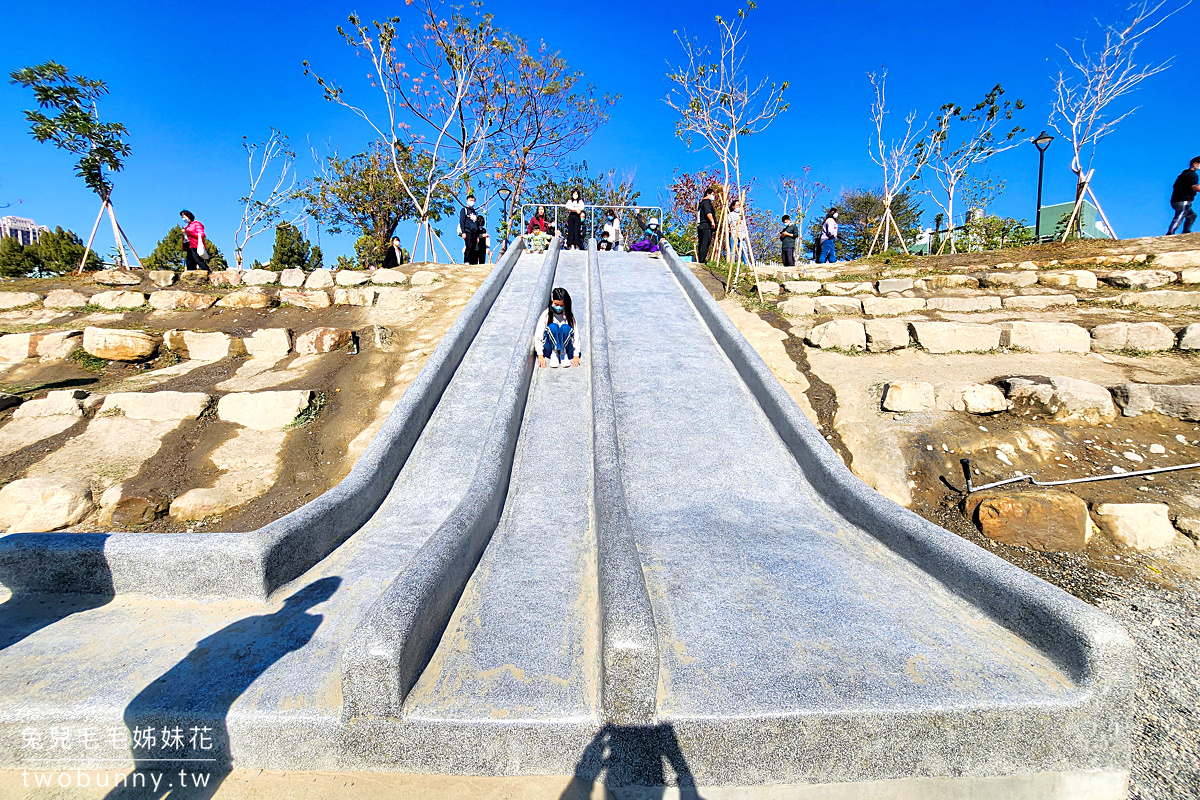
(554, 338)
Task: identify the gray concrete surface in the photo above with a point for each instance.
(649, 570)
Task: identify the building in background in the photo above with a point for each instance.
(1091, 226)
(25, 231)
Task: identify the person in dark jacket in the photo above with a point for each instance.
(706, 224)
(468, 229)
(394, 256)
(1183, 194)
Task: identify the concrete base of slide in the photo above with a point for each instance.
(646, 571)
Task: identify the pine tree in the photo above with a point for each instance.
(291, 249)
(315, 259)
(60, 251)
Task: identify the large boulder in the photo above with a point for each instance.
(1161, 299)
(388, 277)
(272, 343)
(1040, 519)
(768, 288)
(1180, 402)
(1189, 337)
(195, 277)
(156, 406)
(802, 287)
(65, 299)
(1038, 302)
(59, 403)
(1142, 526)
(845, 288)
(312, 300)
(351, 277)
(1060, 399)
(1044, 337)
(838, 305)
(250, 297)
(1069, 278)
(16, 347)
(322, 340)
(292, 278)
(118, 300)
(162, 278)
(1190, 275)
(319, 279)
(204, 346)
(113, 344)
(264, 411)
(908, 396)
(1139, 278)
(171, 300)
(201, 503)
(963, 304)
(935, 282)
(259, 277)
(840, 334)
(424, 277)
(1146, 336)
(891, 306)
(18, 299)
(998, 280)
(357, 296)
(56, 345)
(117, 277)
(886, 285)
(1179, 260)
(36, 505)
(955, 337)
(973, 398)
(798, 306)
(226, 277)
(886, 334)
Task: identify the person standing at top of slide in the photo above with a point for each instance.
(788, 237)
(829, 235)
(575, 221)
(193, 241)
(1183, 194)
(468, 229)
(706, 224)
(613, 229)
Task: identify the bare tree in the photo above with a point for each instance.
(443, 106)
(900, 159)
(553, 117)
(268, 204)
(1097, 78)
(950, 159)
(798, 193)
(718, 103)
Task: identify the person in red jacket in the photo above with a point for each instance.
(193, 240)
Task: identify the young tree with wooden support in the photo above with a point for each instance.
(718, 105)
(900, 159)
(76, 128)
(1098, 77)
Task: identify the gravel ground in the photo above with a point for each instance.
(1166, 746)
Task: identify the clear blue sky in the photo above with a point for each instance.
(190, 80)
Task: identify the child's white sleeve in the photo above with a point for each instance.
(540, 331)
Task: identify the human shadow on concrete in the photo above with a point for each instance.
(187, 746)
(28, 611)
(634, 758)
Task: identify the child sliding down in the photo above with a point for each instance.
(554, 339)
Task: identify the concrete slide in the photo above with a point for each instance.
(646, 570)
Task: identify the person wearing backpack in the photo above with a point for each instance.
(193, 241)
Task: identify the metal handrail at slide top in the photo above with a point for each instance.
(593, 216)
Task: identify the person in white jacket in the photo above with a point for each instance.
(554, 337)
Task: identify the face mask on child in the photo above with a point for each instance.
(557, 309)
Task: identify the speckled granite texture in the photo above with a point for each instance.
(647, 570)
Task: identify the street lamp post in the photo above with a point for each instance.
(505, 193)
(1041, 142)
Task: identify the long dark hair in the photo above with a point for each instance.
(563, 296)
